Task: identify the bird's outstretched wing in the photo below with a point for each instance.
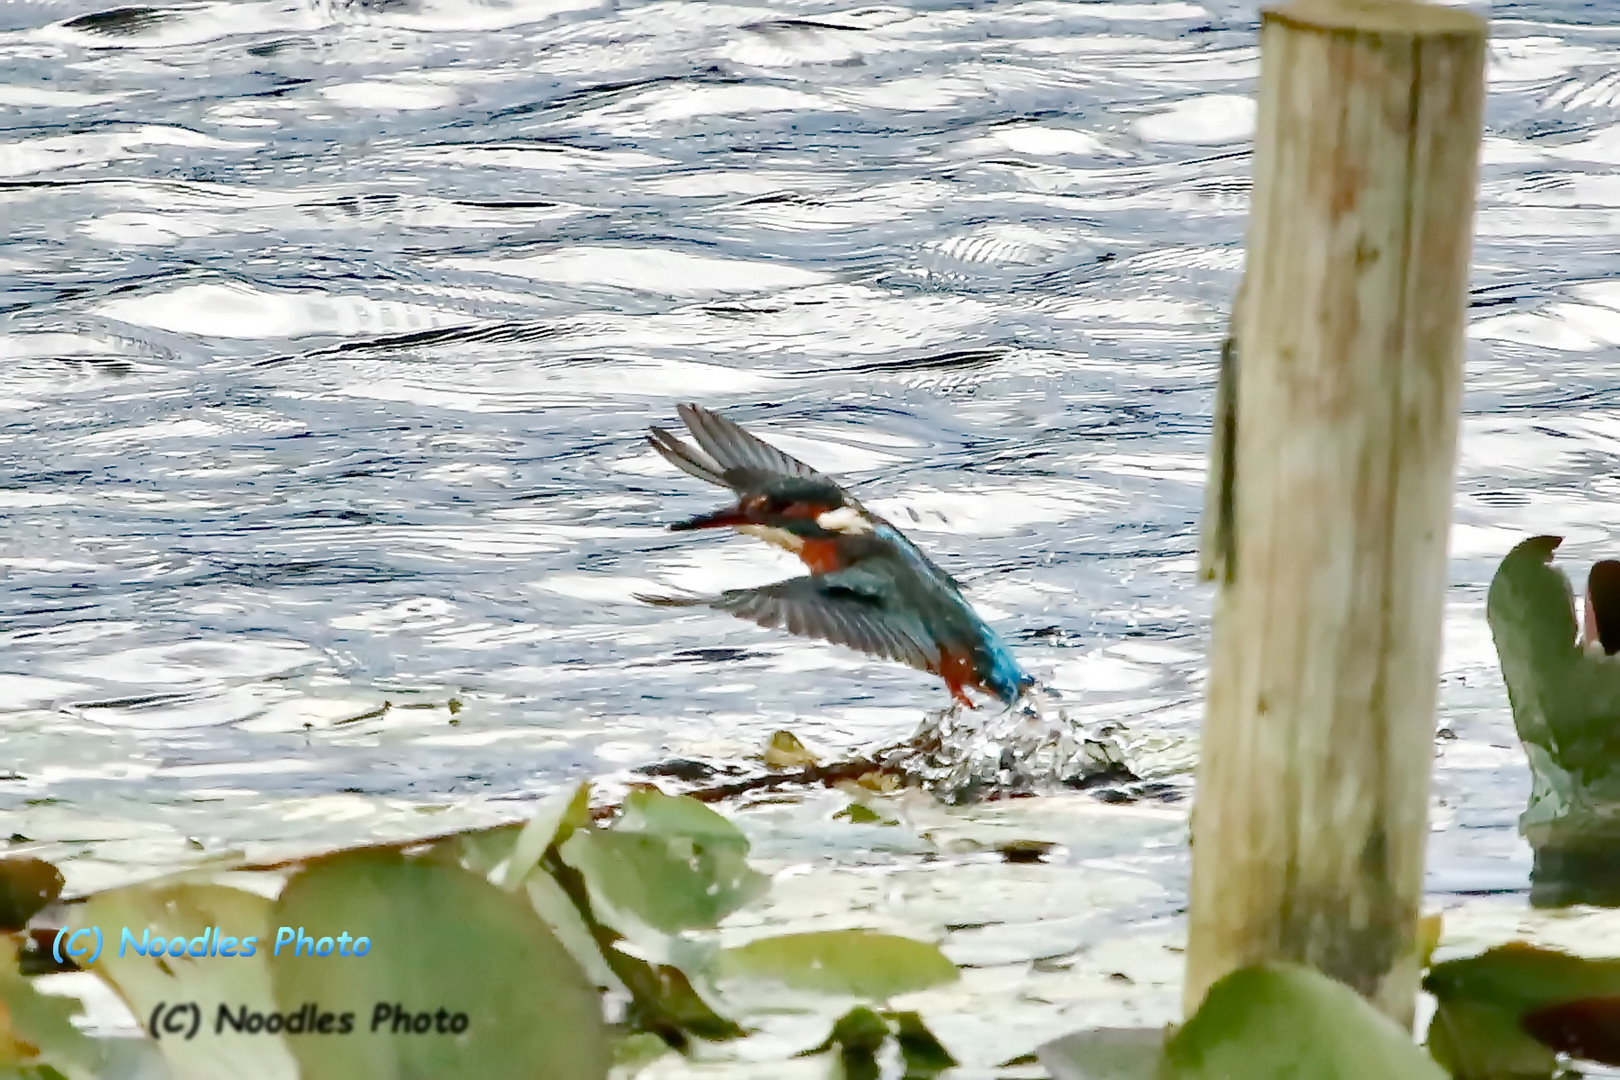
(846, 607)
(725, 453)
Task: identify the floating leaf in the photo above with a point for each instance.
(647, 810)
(785, 751)
(856, 1037)
(1522, 978)
(1475, 1041)
(1277, 1021)
(1563, 699)
(26, 885)
(1566, 709)
(669, 863)
(553, 904)
(554, 820)
(460, 979)
(1105, 1054)
(36, 1030)
(861, 814)
(663, 1001)
(479, 850)
(922, 1054)
(667, 883)
(1503, 1012)
(884, 783)
(861, 963)
(204, 918)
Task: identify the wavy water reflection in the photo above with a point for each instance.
(332, 330)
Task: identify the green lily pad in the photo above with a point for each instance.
(669, 863)
(1523, 978)
(479, 850)
(460, 978)
(1566, 709)
(1563, 699)
(860, 963)
(1506, 1011)
(1283, 1021)
(650, 811)
(142, 967)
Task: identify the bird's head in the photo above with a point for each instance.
(813, 509)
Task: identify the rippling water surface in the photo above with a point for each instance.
(332, 331)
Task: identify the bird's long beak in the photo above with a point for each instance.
(727, 515)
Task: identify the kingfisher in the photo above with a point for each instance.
(869, 588)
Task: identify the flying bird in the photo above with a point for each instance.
(868, 588)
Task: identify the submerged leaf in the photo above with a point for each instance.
(1282, 1021)
(861, 963)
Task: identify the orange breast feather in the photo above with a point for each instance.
(821, 556)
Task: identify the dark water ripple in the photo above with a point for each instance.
(331, 332)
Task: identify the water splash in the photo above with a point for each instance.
(1031, 747)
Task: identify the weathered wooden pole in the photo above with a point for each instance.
(1330, 502)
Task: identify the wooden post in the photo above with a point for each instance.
(1328, 521)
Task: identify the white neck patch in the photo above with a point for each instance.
(846, 520)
